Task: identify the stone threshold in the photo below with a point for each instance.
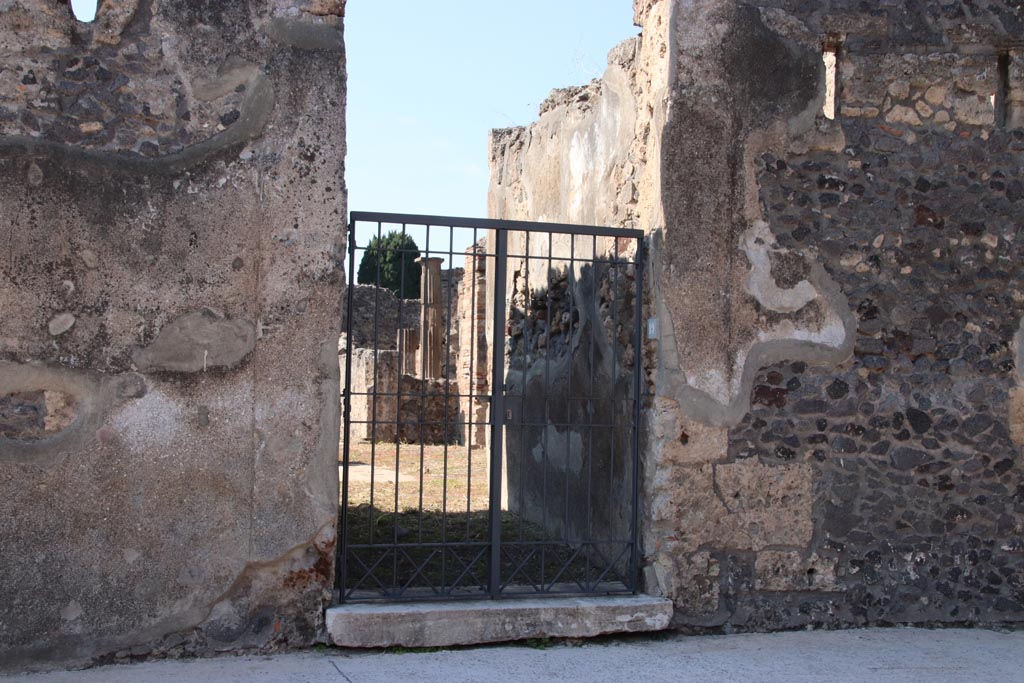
(442, 624)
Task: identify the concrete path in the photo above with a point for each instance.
(864, 656)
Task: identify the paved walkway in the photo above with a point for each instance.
(863, 656)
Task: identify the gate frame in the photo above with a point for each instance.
(496, 400)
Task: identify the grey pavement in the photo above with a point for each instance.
(865, 656)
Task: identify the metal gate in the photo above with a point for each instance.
(492, 376)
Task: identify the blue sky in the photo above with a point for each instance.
(428, 80)
(85, 10)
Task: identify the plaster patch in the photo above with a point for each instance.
(760, 284)
(149, 423)
(579, 166)
(833, 333)
(564, 449)
(196, 342)
(72, 611)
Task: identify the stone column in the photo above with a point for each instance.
(431, 334)
(474, 347)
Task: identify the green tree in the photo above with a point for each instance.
(396, 255)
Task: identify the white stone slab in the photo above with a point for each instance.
(441, 624)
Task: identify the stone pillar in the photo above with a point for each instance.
(474, 347)
(431, 337)
(408, 345)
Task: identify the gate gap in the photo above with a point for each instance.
(84, 10)
(513, 370)
(830, 56)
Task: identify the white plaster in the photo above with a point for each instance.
(564, 449)
(831, 333)
(760, 284)
(149, 423)
(580, 164)
(712, 381)
(72, 611)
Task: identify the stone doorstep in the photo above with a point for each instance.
(442, 624)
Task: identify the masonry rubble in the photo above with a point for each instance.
(405, 360)
(833, 419)
(833, 410)
(171, 177)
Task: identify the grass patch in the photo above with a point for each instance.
(442, 498)
(400, 557)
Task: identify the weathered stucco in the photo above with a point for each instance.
(172, 203)
(833, 426)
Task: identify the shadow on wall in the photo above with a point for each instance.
(569, 400)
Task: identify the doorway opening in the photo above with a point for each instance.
(490, 412)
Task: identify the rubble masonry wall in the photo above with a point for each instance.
(833, 431)
(173, 209)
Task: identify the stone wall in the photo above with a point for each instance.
(170, 185)
(389, 405)
(568, 383)
(374, 388)
(833, 431)
(585, 161)
(377, 314)
(379, 375)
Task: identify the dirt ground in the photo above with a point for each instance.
(454, 477)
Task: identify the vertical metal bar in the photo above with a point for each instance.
(617, 297)
(570, 421)
(497, 406)
(595, 320)
(342, 569)
(547, 413)
(525, 355)
(425, 316)
(638, 311)
(447, 378)
(471, 382)
(421, 420)
(376, 377)
(400, 363)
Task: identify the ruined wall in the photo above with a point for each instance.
(833, 435)
(569, 353)
(389, 405)
(568, 384)
(172, 197)
(916, 484)
(377, 315)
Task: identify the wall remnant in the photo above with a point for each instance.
(377, 314)
(832, 431)
(171, 185)
(404, 361)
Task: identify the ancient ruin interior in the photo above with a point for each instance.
(830, 346)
